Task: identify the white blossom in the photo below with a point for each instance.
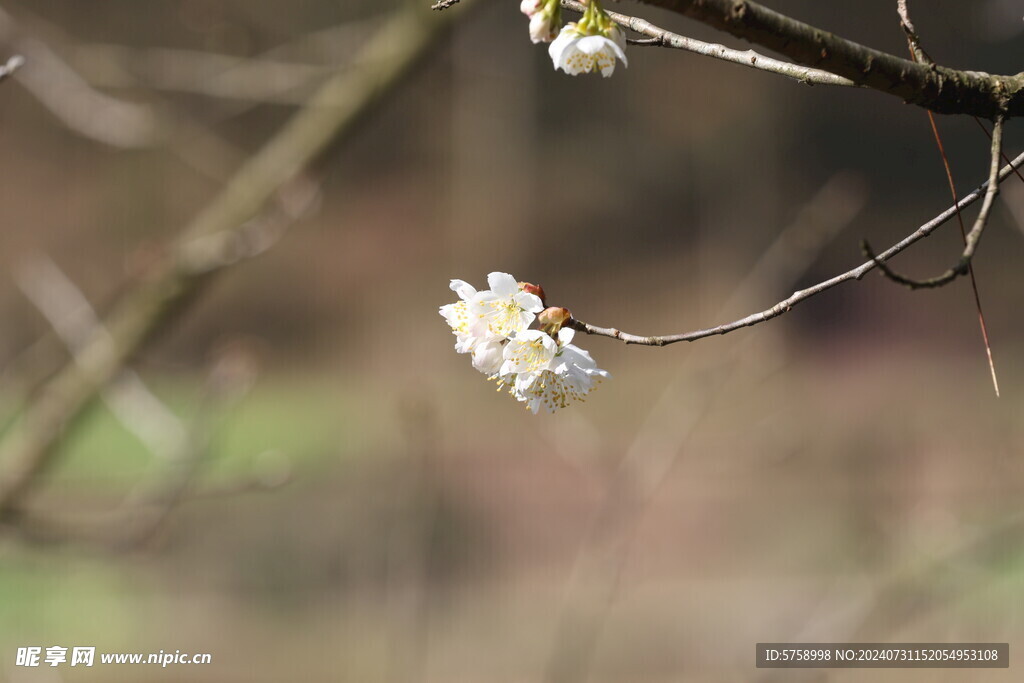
(539, 369)
(483, 321)
(577, 50)
(503, 310)
(526, 355)
(544, 373)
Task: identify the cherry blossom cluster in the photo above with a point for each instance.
(591, 44)
(539, 367)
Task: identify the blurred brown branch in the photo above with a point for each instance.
(74, 102)
(287, 74)
(208, 244)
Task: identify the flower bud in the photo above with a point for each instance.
(536, 290)
(552, 319)
(531, 7)
(543, 27)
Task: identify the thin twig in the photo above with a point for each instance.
(801, 295)
(962, 266)
(913, 41)
(443, 4)
(749, 58)
(918, 54)
(1002, 154)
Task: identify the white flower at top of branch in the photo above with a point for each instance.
(593, 43)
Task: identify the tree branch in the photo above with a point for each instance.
(26, 449)
(800, 295)
(941, 89)
(662, 38)
(913, 41)
(963, 265)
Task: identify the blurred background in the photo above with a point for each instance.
(360, 504)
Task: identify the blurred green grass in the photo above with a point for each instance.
(308, 421)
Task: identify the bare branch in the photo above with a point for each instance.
(749, 58)
(941, 89)
(963, 265)
(913, 41)
(801, 295)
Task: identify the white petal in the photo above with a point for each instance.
(620, 52)
(529, 302)
(525, 320)
(463, 289)
(502, 284)
(603, 51)
(557, 49)
(565, 335)
(591, 44)
(465, 343)
(577, 356)
(619, 37)
(487, 357)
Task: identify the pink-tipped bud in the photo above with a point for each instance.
(536, 290)
(552, 319)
